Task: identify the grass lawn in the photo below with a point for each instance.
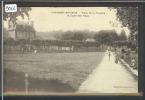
(67, 68)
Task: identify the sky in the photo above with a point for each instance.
(47, 19)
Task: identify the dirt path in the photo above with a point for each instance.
(109, 77)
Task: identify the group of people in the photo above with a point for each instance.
(119, 53)
(116, 55)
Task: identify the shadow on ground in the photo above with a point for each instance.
(15, 82)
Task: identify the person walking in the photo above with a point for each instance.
(109, 54)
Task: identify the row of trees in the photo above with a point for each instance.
(102, 37)
(106, 37)
(109, 37)
(128, 16)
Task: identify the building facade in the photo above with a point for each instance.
(22, 30)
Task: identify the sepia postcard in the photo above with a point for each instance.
(70, 50)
